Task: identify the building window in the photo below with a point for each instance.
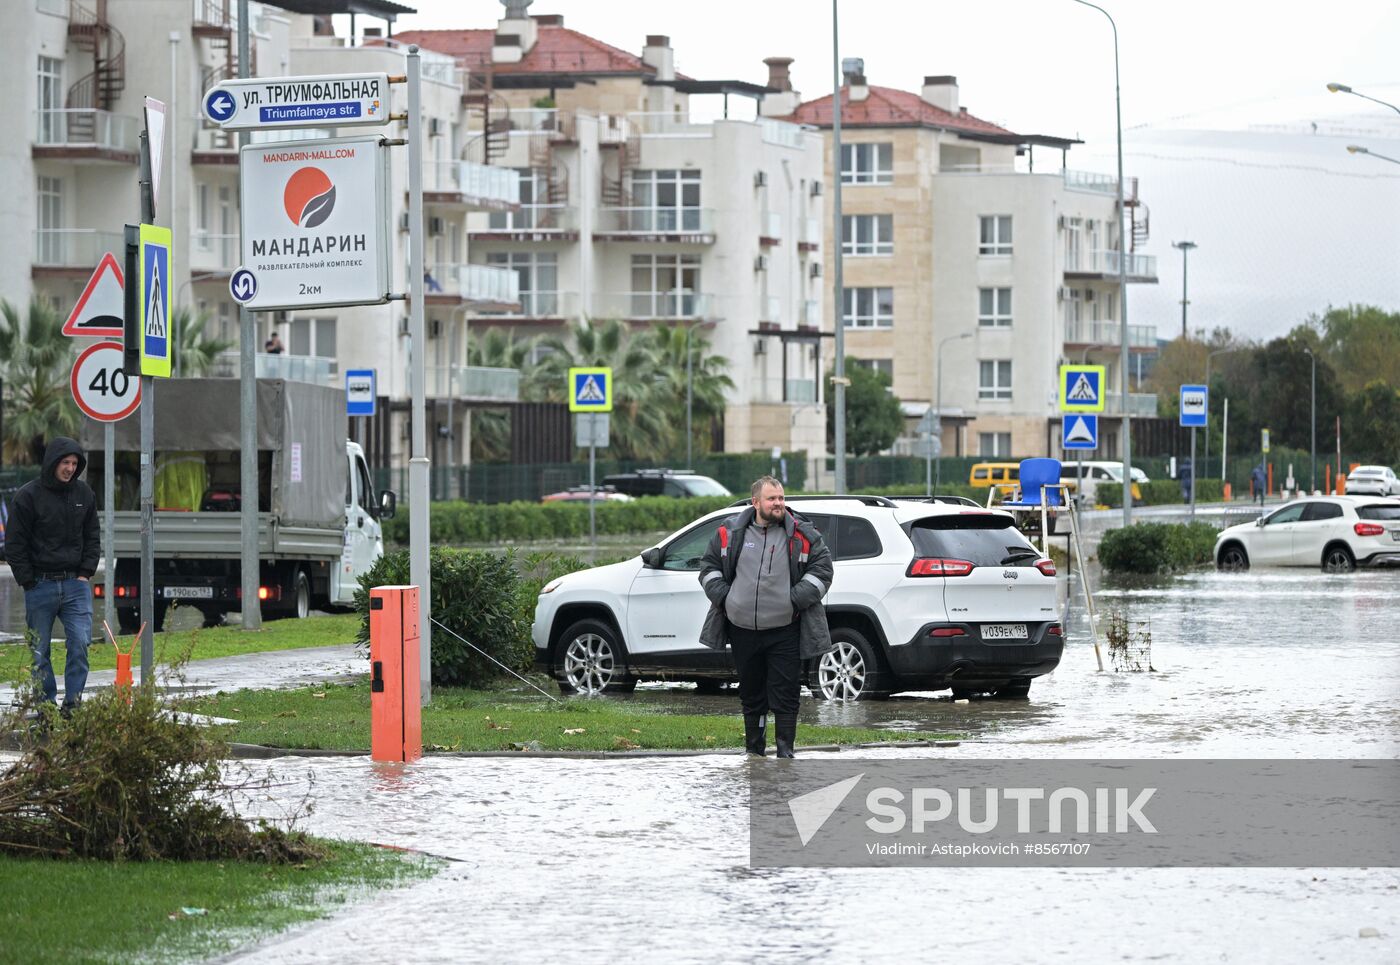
(312, 336)
(51, 127)
(665, 286)
(994, 379)
(539, 279)
(1073, 249)
(867, 234)
(868, 307)
(884, 366)
(995, 238)
(994, 444)
(867, 163)
(994, 307)
(1074, 306)
(49, 217)
(532, 213)
(665, 201)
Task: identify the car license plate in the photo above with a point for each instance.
(1003, 631)
(1395, 534)
(188, 592)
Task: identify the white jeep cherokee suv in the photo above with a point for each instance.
(926, 596)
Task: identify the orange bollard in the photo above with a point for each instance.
(124, 680)
(1228, 492)
(1269, 486)
(395, 700)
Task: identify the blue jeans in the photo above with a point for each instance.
(71, 602)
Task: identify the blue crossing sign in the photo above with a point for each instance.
(153, 301)
(1079, 430)
(590, 390)
(1081, 388)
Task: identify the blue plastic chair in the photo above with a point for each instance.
(1036, 476)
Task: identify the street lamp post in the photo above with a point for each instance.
(690, 392)
(1336, 88)
(1122, 278)
(1312, 476)
(1185, 248)
(1209, 356)
(1358, 149)
(938, 403)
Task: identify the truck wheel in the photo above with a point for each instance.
(301, 595)
(128, 620)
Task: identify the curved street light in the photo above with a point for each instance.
(1337, 88)
(1358, 149)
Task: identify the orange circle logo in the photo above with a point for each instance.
(308, 198)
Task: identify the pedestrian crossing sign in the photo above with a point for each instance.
(590, 390)
(1079, 431)
(153, 301)
(1081, 388)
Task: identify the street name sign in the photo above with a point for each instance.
(1079, 430)
(100, 386)
(359, 391)
(1193, 406)
(314, 219)
(590, 390)
(153, 301)
(331, 100)
(1081, 388)
(100, 307)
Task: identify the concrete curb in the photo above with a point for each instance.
(261, 752)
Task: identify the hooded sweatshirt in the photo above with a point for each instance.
(53, 525)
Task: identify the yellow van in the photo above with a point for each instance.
(985, 474)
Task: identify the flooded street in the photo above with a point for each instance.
(596, 859)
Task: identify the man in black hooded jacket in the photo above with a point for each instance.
(52, 545)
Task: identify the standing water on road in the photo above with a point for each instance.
(596, 859)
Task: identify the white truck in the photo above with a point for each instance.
(318, 514)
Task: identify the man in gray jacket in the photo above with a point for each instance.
(765, 573)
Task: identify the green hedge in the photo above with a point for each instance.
(487, 598)
(459, 522)
(1157, 547)
(1160, 492)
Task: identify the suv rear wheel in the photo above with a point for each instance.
(849, 672)
(590, 660)
(1337, 559)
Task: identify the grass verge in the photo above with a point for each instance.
(316, 631)
(125, 911)
(336, 717)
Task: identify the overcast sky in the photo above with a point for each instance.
(1219, 102)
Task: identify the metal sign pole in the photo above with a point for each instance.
(1193, 472)
(592, 486)
(249, 566)
(109, 487)
(418, 463)
(148, 446)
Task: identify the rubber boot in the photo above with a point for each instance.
(754, 738)
(785, 731)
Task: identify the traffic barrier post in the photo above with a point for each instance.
(396, 725)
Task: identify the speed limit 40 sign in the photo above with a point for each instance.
(100, 387)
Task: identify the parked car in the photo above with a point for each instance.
(1372, 481)
(926, 596)
(583, 494)
(1100, 472)
(1338, 533)
(665, 482)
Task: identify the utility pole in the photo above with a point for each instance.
(1185, 248)
(838, 379)
(249, 566)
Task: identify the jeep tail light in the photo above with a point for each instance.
(1055, 630)
(1046, 566)
(932, 566)
(947, 632)
(1369, 529)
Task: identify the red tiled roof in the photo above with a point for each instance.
(887, 107)
(557, 50)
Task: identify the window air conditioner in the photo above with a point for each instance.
(435, 226)
(1060, 295)
(816, 189)
(760, 179)
(403, 325)
(1088, 294)
(760, 346)
(435, 328)
(1062, 222)
(403, 221)
(434, 126)
(760, 263)
(816, 270)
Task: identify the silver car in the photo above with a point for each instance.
(1373, 481)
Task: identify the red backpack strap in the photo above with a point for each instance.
(804, 544)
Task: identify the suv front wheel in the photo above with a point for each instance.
(849, 672)
(590, 660)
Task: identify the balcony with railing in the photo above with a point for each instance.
(667, 124)
(809, 237)
(529, 222)
(86, 134)
(315, 369)
(534, 306)
(651, 306)
(691, 225)
(780, 132)
(74, 248)
(213, 252)
(1142, 405)
(467, 184)
(451, 283)
(1093, 182)
(770, 230)
(811, 316)
(1109, 334)
(473, 382)
(1103, 266)
(770, 309)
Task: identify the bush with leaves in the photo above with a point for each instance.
(1157, 547)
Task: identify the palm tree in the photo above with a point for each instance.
(195, 352)
(642, 426)
(709, 381)
(490, 428)
(35, 358)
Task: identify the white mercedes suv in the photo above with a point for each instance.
(1337, 533)
(926, 596)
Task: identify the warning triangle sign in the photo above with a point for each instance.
(1083, 390)
(590, 391)
(1079, 431)
(101, 305)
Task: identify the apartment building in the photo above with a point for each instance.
(86, 65)
(974, 259)
(633, 209)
